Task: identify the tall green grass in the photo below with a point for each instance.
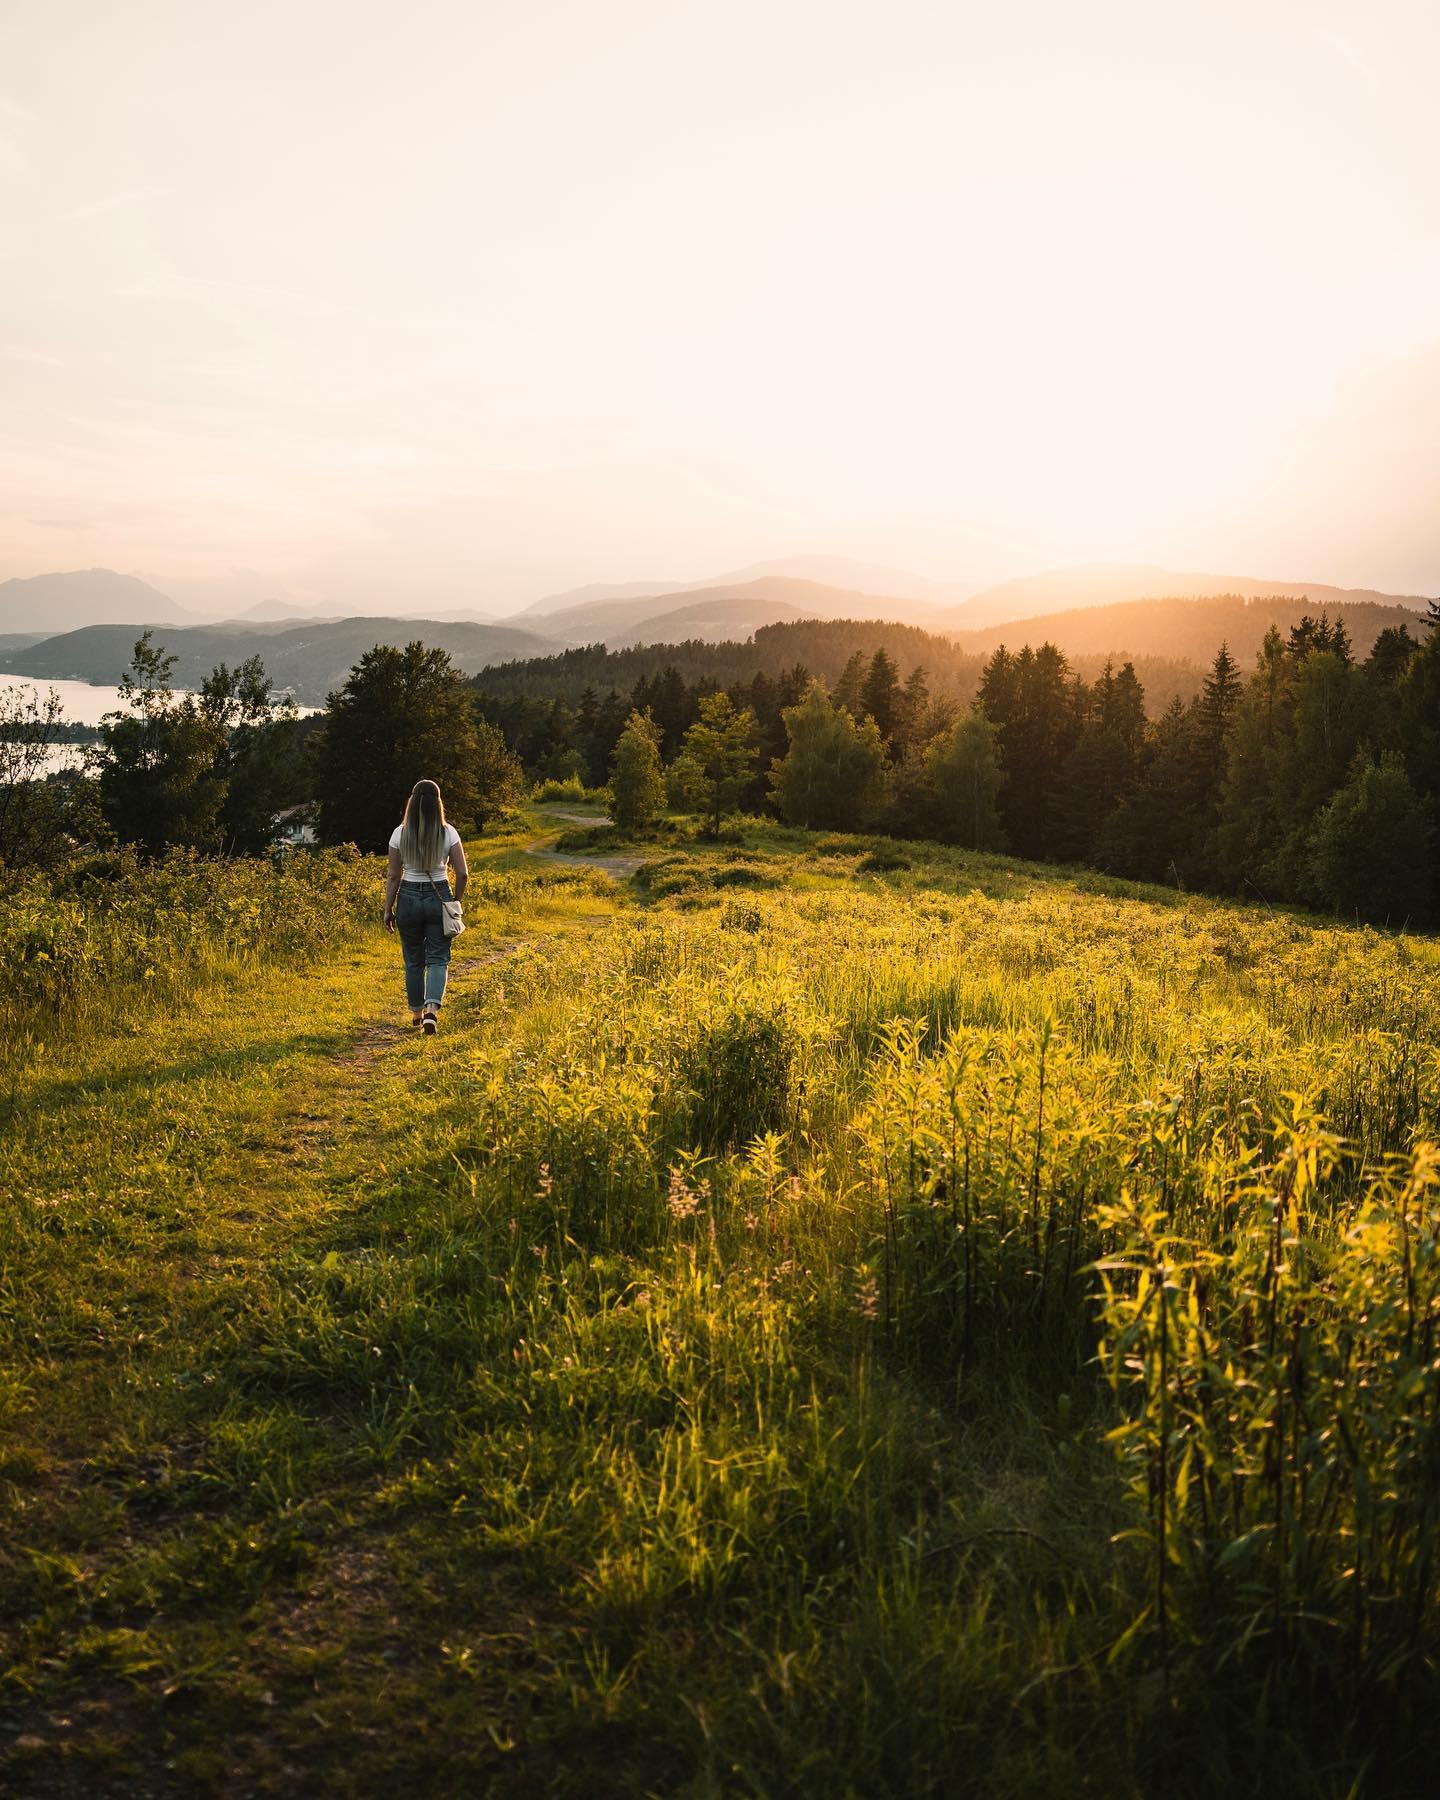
(75, 946)
(920, 1330)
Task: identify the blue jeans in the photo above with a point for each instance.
(423, 943)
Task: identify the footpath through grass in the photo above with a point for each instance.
(687, 1375)
(194, 1544)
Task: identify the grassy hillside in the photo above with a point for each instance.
(692, 1373)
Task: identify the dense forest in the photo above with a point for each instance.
(1312, 778)
(822, 646)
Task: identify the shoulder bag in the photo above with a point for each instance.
(452, 920)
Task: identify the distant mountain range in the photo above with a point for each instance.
(841, 572)
(307, 660)
(49, 603)
(1104, 584)
(714, 612)
(1187, 630)
(1129, 609)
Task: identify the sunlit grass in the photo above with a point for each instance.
(693, 1364)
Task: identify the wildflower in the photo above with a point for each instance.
(752, 1223)
(867, 1299)
(642, 1300)
(546, 1184)
(681, 1198)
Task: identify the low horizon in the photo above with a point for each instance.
(940, 602)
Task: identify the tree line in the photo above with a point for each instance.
(823, 646)
(1312, 778)
(211, 770)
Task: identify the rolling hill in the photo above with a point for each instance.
(716, 613)
(1190, 630)
(835, 572)
(11, 641)
(1106, 584)
(307, 660)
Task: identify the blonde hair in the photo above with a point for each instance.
(422, 831)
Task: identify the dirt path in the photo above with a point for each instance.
(620, 867)
(222, 1167)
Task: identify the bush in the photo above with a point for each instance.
(739, 1065)
(570, 792)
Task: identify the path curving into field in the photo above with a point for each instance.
(621, 868)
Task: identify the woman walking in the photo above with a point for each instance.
(421, 846)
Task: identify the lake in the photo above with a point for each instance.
(83, 703)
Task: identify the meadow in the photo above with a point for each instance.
(827, 1316)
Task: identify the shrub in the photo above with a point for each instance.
(571, 792)
(739, 1065)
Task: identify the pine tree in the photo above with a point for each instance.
(911, 730)
(1151, 832)
(1390, 656)
(852, 679)
(792, 684)
(880, 697)
(637, 776)
(1370, 847)
(717, 757)
(673, 707)
(1037, 712)
(1248, 830)
(587, 713)
(1211, 721)
(1219, 697)
(960, 778)
(833, 771)
(1418, 726)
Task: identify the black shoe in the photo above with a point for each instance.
(430, 1022)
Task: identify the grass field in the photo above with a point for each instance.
(825, 1317)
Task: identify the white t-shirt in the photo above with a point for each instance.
(452, 838)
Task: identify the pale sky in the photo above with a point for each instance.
(453, 301)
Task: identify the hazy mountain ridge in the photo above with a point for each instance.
(308, 660)
(719, 611)
(311, 655)
(1090, 585)
(78, 597)
(842, 572)
(1190, 630)
(818, 586)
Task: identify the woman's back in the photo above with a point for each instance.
(417, 869)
